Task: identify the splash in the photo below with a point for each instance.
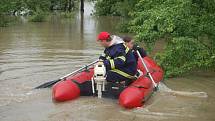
(164, 88)
(147, 114)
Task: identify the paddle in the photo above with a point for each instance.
(50, 83)
(147, 70)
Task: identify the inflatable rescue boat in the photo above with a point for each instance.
(134, 95)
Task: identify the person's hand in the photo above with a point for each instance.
(136, 47)
(102, 58)
(100, 62)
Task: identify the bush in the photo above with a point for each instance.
(187, 22)
(38, 16)
(182, 23)
(114, 7)
(183, 54)
(106, 7)
(123, 26)
(67, 14)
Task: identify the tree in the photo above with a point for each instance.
(39, 9)
(7, 7)
(187, 25)
(179, 22)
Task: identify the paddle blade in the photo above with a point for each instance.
(47, 84)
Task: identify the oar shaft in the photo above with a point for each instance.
(49, 84)
(147, 70)
(79, 69)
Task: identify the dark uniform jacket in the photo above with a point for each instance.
(120, 61)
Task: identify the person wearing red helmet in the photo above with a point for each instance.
(118, 59)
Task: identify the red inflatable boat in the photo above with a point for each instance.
(132, 96)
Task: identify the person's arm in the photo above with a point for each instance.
(141, 50)
(118, 61)
(102, 58)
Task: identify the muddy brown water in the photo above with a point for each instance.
(33, 53)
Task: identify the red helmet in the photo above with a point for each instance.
(103, 36)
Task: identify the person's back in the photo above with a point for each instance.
(119, 61)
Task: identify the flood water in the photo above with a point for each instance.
(34, 53)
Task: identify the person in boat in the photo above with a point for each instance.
(134, 47)
(118, 59)
(120, 63)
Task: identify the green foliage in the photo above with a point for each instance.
(123, 26)
(186, 21)
(67, 14)
(7, 5)
(10, 6)
(106, 7)
(34, 5)
(114, 7)
(153, 19)
(38, 16)
(37, 8)
(188, 26)
(183, 54)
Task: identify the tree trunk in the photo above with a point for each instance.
(64, 9)
(69, 5)
(52, 6)
(82, 5)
